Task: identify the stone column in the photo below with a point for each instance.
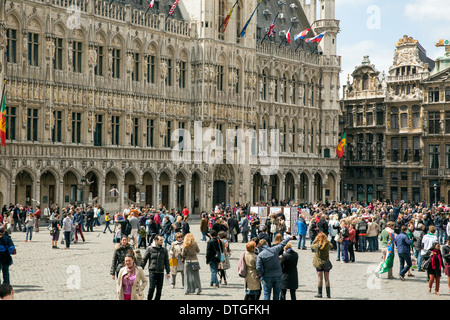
(121, 193)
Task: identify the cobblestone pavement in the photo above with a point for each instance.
(82, 273)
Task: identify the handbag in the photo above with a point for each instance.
(195, 265)
(338, 238)
(326, 266)
(220, 255)
(426, 264)
(173, 262)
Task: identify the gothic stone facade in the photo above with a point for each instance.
(94, 99)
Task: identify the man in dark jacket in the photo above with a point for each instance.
(118, 261)
(214, 248)
(244, 229)
(233, 228)
(90, 220)
(158, 261)
(323, 224)
(264, 235)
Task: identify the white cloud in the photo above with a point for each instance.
(428, 9)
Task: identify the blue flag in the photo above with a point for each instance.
(248, 22)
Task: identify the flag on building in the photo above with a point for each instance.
(224, 24)
(317, 38)
(3, 123)
(173, 7)
(341, 146)
(151, 4)
(288, 34)
(270, 32)
(250, 19)
(302, 34)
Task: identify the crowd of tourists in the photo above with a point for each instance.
(418, 234)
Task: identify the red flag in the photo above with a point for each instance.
(173, 7)
(224, 25)
(151, 4)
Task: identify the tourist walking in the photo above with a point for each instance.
(55, 230)
(435, 266)
(175, 259)
(214, 255)
(403, 244)
(78, 222)
(387, 239)
(321, 262)
(192, 283)
(158, 262)
(289, 281)
(120, 251)
(6, 250)
(131, 280)
(224, 265)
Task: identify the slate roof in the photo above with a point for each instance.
(291, 11)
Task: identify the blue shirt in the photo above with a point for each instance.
(403, 243)
(301, 227)
(268, 263)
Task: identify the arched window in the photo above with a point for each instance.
(394, 118)
(294, 89)
(293, 135)
(264, 79)
(365, 82)
(284, 88)
(311, 92)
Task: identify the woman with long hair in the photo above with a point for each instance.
(435, 267)
(192, 283)
(321, 247)
(131, 280)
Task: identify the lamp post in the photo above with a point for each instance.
(435, 192)
(229, 190)
(179, 198)
(265, 191)
(83, 185)
(304, 191)
(345, 191)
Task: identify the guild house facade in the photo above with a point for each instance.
(398, 127)
(115, 103)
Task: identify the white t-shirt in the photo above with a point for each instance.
(427, 242)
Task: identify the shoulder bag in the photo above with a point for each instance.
(326, 265)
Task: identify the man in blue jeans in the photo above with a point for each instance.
(403, 244)
(301, 228)
(269, 268)
(214, 248)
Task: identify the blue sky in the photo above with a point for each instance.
(372, 27)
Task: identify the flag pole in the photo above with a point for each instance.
(230, 16)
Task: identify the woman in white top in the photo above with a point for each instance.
(29, 224)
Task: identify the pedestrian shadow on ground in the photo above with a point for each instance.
(25, 288)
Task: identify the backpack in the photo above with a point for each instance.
(242, 267)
